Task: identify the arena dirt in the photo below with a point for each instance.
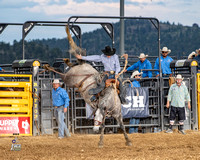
(149, 146)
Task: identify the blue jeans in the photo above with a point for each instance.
(59, 114)
(134, 121)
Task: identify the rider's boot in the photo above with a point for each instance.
(99, 87)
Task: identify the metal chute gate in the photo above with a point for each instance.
(43, 120)
(16, 105)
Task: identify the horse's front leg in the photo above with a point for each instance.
(121, 123)
(102, 134)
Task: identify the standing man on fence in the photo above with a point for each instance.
(60, 103)
(143, 63)
(165, 63)
(178, 93)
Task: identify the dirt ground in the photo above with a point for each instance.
(148, 146)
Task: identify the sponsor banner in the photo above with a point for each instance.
(138, 103)
(137, 107)
(18, 125)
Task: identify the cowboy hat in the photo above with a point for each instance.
(56, 81)
(179, 77)
(142, 55)
(191, 55)
(109, 51)
(165, 49)
(135, 73)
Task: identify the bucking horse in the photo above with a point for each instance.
(84, 77)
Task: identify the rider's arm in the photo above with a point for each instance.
(94, 58)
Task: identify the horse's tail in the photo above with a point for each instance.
(74, 49)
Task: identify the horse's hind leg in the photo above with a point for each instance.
(101, 137)
(120, 121)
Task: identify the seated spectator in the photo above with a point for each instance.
(143, 63)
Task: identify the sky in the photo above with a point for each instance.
(185, 12)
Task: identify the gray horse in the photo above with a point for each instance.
(83, 77)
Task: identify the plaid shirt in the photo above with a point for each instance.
(177, 95)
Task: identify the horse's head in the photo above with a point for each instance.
(109, 105)
(98, 119)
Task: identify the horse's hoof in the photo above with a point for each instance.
(128, 143)
(100, 145)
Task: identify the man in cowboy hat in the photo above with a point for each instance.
(165, 63)
(60, 103)
(135, 83)
(109, 59)
(111, 66)
(177, 95)
(137, 75)
(143, 63)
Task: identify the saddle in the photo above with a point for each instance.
(110, 82)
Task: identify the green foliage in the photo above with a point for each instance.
(140, 36)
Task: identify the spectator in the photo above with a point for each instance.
(165, 63)
(143, 63)
(177, 95)
(60, 103)
(135, 83)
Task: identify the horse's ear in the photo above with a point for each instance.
(66, 60)
(46, 66)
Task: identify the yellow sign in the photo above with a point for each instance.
(194, 63)
(36, 63)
